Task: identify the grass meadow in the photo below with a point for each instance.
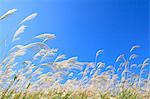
(33, 70)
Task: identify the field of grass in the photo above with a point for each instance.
(33, 70)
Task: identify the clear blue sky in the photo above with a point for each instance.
(83, 26)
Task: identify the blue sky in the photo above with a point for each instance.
(83, 26)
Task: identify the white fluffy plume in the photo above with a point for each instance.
(45, 36)
(8, 13)
(18, 32)
(30, 17)
(134, 47)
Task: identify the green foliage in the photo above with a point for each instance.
(125, 94)
(129, 94)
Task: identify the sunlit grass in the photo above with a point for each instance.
(40, 71)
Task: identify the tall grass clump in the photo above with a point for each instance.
(33, 70)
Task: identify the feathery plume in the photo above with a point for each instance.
(18, 32)
(8, 13)
(145, 63)
(45, 37)
(133, 56)
(98, 52)
(133, 65)
(134, 47)
(30, 17)
(120, 58)
(60, 57)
